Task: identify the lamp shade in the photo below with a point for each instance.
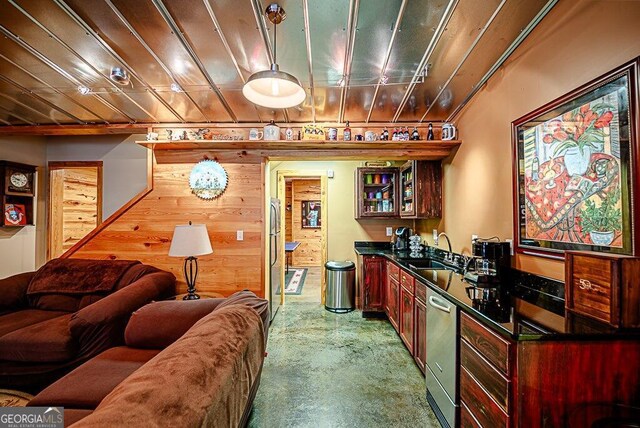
(190, 240)
(274, 89)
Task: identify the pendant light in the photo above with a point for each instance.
(274, 88)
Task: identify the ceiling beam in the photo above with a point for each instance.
(465, 56)
(58, 69)
(227, 47)
(134, 128)
(56, 90)
(177, 31)
(307, 38)
(82, 59)
(35, 96)
(352, 28)
(109, 50)
(523, 35)
(424, 62)
(387, 55)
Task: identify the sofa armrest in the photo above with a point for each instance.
(13, 290)
(101, 325)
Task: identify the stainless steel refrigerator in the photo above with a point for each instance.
(274, 258)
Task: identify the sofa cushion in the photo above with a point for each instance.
(203, 379)
(159, 324)
(87, 385)
(55, 302)
(13, 321)
(46, 341)
(13, 290)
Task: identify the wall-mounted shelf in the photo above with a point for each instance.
(303, 149)
(17, 191)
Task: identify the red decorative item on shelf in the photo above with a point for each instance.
(14, 215)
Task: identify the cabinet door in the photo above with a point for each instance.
(420, 334)
(406, 318)
(376, 192)
(392, 302)
(373, 281)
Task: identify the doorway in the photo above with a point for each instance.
(75, 203)
(304, 238)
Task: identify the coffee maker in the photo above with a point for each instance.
(402, 235)
(490, 264)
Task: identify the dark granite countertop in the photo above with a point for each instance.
(525, 307)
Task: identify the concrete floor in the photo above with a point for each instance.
(337, 370)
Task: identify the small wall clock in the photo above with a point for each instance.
(208, 179)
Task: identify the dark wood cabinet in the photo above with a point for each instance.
(371, 281)
(391, 294)
(421, 189)
(420, 333)
(604, 287)
(376, 192)
(17, 191)
(406, 317)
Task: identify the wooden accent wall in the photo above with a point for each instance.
(75, 206)
(144, 231)
(309, 251)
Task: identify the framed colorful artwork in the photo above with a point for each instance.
(311, 215)
(575, 170)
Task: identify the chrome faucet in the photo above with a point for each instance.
(448, 257)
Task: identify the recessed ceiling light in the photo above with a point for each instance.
(175, 87)
(119, 75)
(84, 90)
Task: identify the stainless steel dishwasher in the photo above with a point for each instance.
(442, 357)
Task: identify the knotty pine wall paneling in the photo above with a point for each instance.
(144, 231)
(309, 251)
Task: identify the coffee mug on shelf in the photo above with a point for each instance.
(449, 131)
(255, 134)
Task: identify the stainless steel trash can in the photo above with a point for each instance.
(341, 282)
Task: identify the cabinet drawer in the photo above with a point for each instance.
(406, 280)
(491, 346)
(467, 420)
(479, 403)
(488, 376)
(393, 271)
(421, 292)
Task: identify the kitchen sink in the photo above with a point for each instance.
(427, 264)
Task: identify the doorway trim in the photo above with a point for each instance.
(58, 165)
(305, 174)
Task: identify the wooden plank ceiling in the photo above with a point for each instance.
(364, 61)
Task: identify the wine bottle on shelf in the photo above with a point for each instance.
(346, 136)
(430, 132)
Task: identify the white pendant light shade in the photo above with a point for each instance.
(274, 89)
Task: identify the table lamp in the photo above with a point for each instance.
(189, 241)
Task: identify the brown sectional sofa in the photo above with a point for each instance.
(68, 311)
(185, 363)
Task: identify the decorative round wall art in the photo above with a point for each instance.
(208, 179)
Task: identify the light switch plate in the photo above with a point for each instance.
(330, 173)
(240, 235)
(389, 231)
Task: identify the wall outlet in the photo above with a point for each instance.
(510, 241)
(239, 235)
(435, 236)
(389, 231)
